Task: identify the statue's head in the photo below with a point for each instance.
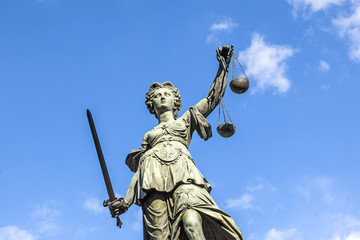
(163, 97)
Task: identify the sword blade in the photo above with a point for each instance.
(101, 157)
(102, 164)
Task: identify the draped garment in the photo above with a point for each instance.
(169, 174)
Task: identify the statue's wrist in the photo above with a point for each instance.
(126, 203)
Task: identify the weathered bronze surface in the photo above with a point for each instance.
(239, 85)
(226, 129)
(174, 196)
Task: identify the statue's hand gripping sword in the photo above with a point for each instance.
(103, 165)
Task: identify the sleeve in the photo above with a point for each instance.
(200, 124)
(133, 158)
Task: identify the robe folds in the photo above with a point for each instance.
(168, 182)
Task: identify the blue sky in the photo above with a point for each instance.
(290, 172)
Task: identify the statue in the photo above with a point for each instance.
(174, 196)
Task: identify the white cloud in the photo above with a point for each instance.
(244, 202)
(290, 234)
(324, 87)
(15, 233)
(353, 236)
(347, 222)
(83, 233)
(48, 227)
(345, 227)
(318, 188)
(94, 205)
(311, 6)
(349, 27)
(309, 32)
(324, 66)
(46, 219)
(257, 187)
(44, 212)
(224, 26)
(266, 64)
(259, 184)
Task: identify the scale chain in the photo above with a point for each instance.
(233, 72)
(240, 65)
(219, 115)
(222, 105)
(222, 108)
(227, 111)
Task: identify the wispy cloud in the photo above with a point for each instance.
(94, 205)
(353, 236)
(260, 184)
(328, 213)
(345, 222)
(256, 188)
(224, 26)
(289, 234)
(319, 188)
(15, 233)
(345, 227)
(324, 87)
(266, 64)
(44, 211)
(46, 219)
(348, 26)
(310, 6)
(244, 202)
(324, 66)
(83, 233)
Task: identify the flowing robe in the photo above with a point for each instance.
(167, 182)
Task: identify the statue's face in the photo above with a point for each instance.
(163, 100)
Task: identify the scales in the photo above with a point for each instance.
(239, 86)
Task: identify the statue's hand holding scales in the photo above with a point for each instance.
(238, 85)
(223, 55)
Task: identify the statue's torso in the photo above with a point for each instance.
(168, 141)
(166, 163)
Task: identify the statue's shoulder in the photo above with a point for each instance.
(186, 116)
(146, 137)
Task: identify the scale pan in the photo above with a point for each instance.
(226, 129)
(239, 85)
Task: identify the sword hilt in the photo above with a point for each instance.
(118, 222)
(106, 203)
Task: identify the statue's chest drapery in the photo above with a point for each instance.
(176, 136)
(178, 131)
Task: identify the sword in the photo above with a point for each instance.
(103, 165)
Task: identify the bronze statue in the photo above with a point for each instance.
(174, 195)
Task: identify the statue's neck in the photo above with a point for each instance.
(166, 117)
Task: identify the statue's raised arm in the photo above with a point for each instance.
(217, 89)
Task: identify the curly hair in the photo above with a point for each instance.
(150, 97)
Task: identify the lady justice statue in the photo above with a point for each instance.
(174, 195)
